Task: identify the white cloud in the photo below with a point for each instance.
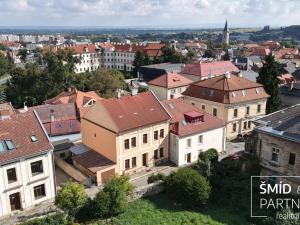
(148, 12)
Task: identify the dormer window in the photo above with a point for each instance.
(243, 93)
(257, 90)
(233, 94)
(194, 117)
(33, 138)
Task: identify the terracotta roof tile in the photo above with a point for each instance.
(210, 68)
(19, 128)
(227, 90)
(179, 108)
(170, 80)
(127, 112)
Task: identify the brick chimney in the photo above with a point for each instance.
(4, 114)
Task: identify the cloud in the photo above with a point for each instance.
(148, 12)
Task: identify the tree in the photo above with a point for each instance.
(2, 94)
(117, 189)
(268, 77)
(226, 56)
(288, 44)
(102, 204)
(71, 197)
(23, 54)
(106, 82)
(5, 65)
(139, 60)
(206, 161)
(209, 54)
(187, 186)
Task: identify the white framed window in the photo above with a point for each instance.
(275, 154)
(188, 143)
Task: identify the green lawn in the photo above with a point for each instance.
(159, 210)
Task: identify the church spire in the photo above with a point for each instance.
(226, 27)
(226, 35)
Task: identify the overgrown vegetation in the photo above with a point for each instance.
(156, 177)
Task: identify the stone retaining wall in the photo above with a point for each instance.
(148, 190)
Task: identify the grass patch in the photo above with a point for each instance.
(159, 209)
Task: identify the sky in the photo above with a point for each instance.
(149, 13)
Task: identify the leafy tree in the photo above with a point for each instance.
(187, 186)
(209, 54)
(268, 76)
(139, 60)
(71, 197)
(117, 189)
(23, 52)
(5, 65)
(2, 94)
(102, 204)
(288, 44)
(191, 54)
(106, 82)
(226, 56)
(206, 161)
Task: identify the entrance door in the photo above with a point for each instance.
(15, 202)
(145, 159)
(188, 157)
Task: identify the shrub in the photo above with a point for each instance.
(211, 155)
(155, 177)
(71, 197)
(187, 186)
(206, 162)
(57, 219)
(102, 204)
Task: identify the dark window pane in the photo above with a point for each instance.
(292, 159)
(37, 167)
(39, 191)
(11, 175)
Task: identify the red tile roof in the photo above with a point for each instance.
(19, 128)
(260, 51)
(210, 68)
(285, 51)
(227, 90)
(83, 48)
(170, 80)
(179, 108)
(74, 96)
(127, 112)
(7, 106)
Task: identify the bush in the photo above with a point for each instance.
(102, 204)
(206, 162)
(187, 186)
(156, 177)
(71, 197)
(57, 219)
(211, 155)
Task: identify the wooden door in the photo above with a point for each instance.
(145, 159)
(15, 202)
(188, 157)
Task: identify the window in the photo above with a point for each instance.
(36, 167)
(145, 138)
(133, 162)
(11, 175)
(10, 145)
(200, 139)
(234, 127)
(156, 154)
(156, 135)
(126, 144)
(127, 164)
(161, 133)
(243, 92)
(275, 153)
(233, 94)
(249, 124)
(258, 108)
(215, 112)
(39, 191)
(257, 90)
(235, 113)
(161, 152)
(245, 125)
(188, 143)
(203, 107)
(133, 142)
(33, 138)
(248, 110)
(292, 159)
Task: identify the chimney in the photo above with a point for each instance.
(134, 91)
(4, 114)
(118, 93)
(227, 75)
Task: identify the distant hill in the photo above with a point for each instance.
(291, 32)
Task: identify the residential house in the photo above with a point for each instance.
(26, 162)
(290, 94)
(201, 71)
(193, 131)
(231, 98)
(130, 133)
(279, 145)
(82, 100)
(169, 85)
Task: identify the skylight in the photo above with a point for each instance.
(10, 145)
(33, 138)
(2, 147)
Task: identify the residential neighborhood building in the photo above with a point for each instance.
(201, 71)
(290, 94)
(169, 85)
(192, 131)
(124, 135)
(27, 175)
(278, 144)
(231, 98)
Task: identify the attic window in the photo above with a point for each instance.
(10, 145)
(243, 93)
(92, 102)
(2, 147)
(184, 122)
(257, 90)
(33, 138)
(211, 92)
(233, 94)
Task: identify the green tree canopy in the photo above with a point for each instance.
(268, 76)
(5, 65)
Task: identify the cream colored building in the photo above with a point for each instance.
(130, 131)
(27, 175)
(231, 98)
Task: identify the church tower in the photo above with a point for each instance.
(226, 35)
